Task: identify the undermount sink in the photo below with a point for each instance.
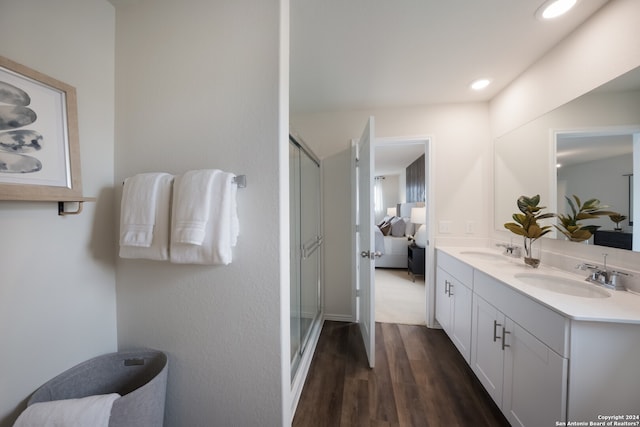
(488, 256)
(563, 285)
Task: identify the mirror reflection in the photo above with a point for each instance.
(587, 148)
(597, 165)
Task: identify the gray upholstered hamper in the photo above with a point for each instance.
(139, 376)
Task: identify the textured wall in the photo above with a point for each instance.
(198, 86)
(57, 293)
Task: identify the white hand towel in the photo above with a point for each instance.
(138, 209)
(93, 411)
(192, 206)
(159, 249)
(221, 231)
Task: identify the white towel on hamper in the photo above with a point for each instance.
(90, 411)
(192, 206)
(221, 230)
(159, 248)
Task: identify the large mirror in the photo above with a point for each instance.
(589, 147)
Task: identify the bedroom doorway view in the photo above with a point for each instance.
(400, 190)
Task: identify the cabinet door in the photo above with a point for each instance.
(487, 356)
(443, 302)
(535, 377)
(461, 297)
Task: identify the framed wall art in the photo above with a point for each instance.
(39, 148)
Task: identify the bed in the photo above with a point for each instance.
(393, 246)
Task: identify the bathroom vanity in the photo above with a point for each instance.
(547, 346)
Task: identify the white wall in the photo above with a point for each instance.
(199, 86)
(604, 47)
(57, 295)
(462, 171)
(337, 235)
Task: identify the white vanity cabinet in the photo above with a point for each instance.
(525, 377)
(487, 359)
(453, 301)
(544, 357)
(604, 377)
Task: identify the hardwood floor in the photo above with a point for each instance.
(420, 379)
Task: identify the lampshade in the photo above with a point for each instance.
(391, 211)
(419, 215)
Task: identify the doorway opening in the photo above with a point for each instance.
(400, 186)
(366, 251)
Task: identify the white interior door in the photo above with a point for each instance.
(366, 244)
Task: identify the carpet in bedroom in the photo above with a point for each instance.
(398, 298)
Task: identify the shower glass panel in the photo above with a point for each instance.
(305, 244)
(310, 238)
(294, 253)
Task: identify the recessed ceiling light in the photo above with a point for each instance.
(480, 84)
(553, 8)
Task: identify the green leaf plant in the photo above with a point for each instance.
(617, 218)
(574, 230)
(526, 224)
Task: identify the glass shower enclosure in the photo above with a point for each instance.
(305, 244)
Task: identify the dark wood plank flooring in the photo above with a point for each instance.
(420, 379)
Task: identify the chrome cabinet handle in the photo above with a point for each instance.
(450, 287)
(504, 335)
(495, 330)
(446, 287)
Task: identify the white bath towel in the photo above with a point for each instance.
(220, 231)
(91, 411)
(138, 209)
(192, 206)
(159, 248)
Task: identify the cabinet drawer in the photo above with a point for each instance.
(458, 269)
(545, 324)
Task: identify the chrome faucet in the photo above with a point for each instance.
(602, 276)
(510, 249)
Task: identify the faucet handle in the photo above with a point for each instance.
(587, 266)
(621, 273)
(510, 249)
(613, 280)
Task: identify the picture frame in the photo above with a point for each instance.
(39, 146)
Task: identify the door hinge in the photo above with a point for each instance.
(357, 228)
(357, 162)
(357, 292)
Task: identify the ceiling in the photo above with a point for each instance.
(360, 54)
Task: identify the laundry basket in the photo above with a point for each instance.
(139, 376)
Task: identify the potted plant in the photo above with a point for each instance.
(526, 225)
(617, 218)
(574, 230)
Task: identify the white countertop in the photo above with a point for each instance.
(620, 306)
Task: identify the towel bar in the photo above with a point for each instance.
(239, 180)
